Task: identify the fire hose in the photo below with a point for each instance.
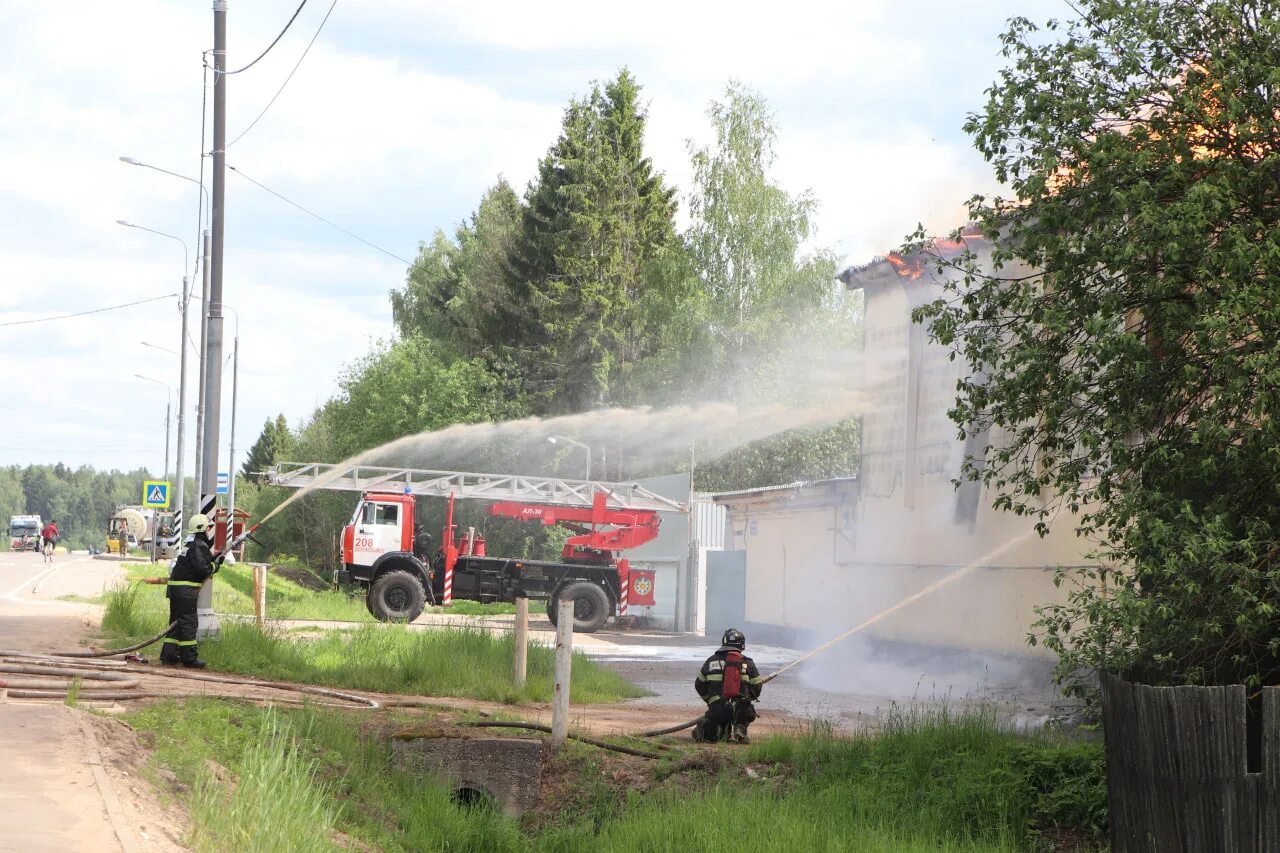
(106, 654)
(69, 674)
(883, 614)
(540, 727)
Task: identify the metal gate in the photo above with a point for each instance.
(726, 591)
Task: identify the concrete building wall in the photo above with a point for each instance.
(824, 557)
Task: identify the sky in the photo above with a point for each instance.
(399, 117)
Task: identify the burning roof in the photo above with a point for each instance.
(912, 267)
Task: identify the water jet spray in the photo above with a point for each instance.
(889, 611)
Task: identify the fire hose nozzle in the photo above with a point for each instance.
(237, 541)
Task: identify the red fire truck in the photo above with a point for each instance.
(402, 570)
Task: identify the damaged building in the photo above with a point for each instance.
(806, 561)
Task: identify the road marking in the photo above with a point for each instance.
(35, 590)
(36, 578)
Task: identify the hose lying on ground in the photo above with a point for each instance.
(539, 727)
(41, 688)
(672, 729)
(79, 671)
(104, 654)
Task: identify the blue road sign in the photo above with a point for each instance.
(155, 494)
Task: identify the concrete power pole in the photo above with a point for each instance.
(208, 620)
(179, 504)
(204, 345)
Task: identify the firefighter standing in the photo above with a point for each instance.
(729, 683)
(195, 565)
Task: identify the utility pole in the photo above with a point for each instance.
(231, 461)
(155, 527)
(179, 474)
(208, 620)
(168, 410)
(201, 369)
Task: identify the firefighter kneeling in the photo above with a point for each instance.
(195, 565)
(729, 682)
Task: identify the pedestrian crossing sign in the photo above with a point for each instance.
(155, 494)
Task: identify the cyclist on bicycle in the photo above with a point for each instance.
(49, 536)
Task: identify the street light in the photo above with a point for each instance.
(132, 162)
(157, 346)
(204, 323)
(182, 383)
(556, 439)
(231, 460)
(155, 530)
(167, 408)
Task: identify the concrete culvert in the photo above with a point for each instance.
(504, 773)
(473, 796)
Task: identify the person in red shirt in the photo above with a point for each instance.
(49, 537)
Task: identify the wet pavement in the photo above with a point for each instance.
(666, 665)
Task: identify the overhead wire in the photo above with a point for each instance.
(92, 311)
(273, 42)
(286, 80)
(310, 213)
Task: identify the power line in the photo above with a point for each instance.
(273, 43)
(83, 313)
(321, 218)
(64, 448)
(286, 80)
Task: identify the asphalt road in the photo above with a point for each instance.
(53, 793)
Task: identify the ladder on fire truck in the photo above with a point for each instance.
(552, 491)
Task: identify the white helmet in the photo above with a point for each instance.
(199, 523)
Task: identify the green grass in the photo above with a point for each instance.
(276, 803)
(931, 783)
(389, 658)
(233, 594)
(955, 775)
(463, 607)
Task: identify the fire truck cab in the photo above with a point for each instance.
(386, 552)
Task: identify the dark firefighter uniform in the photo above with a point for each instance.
(729, 700)
(195, 565)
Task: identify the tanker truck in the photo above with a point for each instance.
(135, 527)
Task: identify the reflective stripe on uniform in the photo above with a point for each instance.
(713, 699)
(180, 642)
(186, 583)
(715, 676)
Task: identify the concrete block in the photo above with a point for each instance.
(505, 770)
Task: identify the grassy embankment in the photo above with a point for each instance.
(316, 780)
(388, 658)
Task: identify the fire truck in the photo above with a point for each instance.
(383, 551)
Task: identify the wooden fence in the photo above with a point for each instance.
(1177, 771)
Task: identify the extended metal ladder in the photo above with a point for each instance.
(465, 485)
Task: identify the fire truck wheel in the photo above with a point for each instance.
(396, 597)
(590, 606)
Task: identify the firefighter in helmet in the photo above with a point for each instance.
(729, 683)
(195, 564)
